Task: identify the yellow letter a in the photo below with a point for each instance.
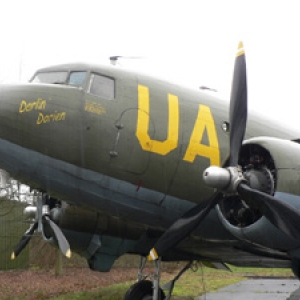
(211, 151)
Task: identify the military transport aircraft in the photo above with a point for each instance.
(126, 163)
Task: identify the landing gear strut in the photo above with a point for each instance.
(149, 289)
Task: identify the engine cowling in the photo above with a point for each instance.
(272, 166)
(101, 239)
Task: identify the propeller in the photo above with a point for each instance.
(182, 227)
(238, 106)
(24, 240)
(230, 178)
(44, 222)
(279, 213)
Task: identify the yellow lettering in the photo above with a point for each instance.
(142, 130)
(39, 119)
(22, 107)
(56, 117)
(204, 121)
(94, 107)
(25, 106)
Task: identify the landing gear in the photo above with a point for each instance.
(143, 290)
(149, 289)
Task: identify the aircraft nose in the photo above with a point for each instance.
(19, 108)
(17, 123)
(19, 104)
(8, 112)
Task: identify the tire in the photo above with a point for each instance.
(142, 290)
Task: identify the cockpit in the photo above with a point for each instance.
(90, 81)
(76, 78)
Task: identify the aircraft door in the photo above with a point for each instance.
(109, 121)
(126, 155)
(146, 136)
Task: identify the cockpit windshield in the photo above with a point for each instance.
(75, 78)
(50, 77)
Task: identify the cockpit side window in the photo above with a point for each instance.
(58, 77)
(102, 86)
(77, 78)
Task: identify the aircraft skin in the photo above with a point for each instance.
(128, 162)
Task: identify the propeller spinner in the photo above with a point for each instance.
(230, 178)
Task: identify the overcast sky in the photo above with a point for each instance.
(189, 41)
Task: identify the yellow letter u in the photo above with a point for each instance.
(143, 120)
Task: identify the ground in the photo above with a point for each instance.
(40, 282)
(37, 284)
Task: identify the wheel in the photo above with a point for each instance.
(142, 290)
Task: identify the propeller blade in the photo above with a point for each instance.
(282, 215)
(182, 227)
(63, 244)
(24, 240)
(238, 119)
(238, 106)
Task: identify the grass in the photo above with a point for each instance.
(113, 292)
(189, 286)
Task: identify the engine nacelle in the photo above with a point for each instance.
(272, 166)
(99, 238)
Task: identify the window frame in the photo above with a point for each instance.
(93, 74)
(83, 84)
